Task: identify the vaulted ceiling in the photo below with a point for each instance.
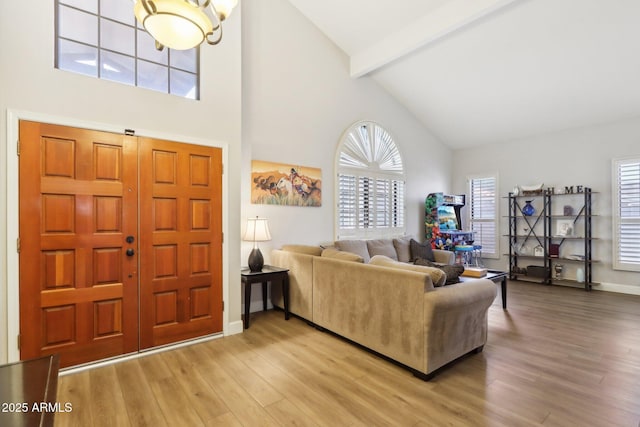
(483, 71)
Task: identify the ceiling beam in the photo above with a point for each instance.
(425, 30)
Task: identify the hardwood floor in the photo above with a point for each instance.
(557, 357)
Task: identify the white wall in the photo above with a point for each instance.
(29, 82)
(573, 157)
(298, 99)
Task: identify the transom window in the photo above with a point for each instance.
(100, 38)
(370, 184)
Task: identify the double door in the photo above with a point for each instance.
(120, 242)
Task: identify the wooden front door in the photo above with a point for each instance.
(85, 247)
(78, 203)
(181, 242)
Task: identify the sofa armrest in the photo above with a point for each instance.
(456, 320)
(300, 267)
(444, 257)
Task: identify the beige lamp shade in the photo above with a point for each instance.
(257, 230)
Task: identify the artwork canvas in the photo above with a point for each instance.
(285, 184)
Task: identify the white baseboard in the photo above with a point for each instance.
(618, 288)
(234, 328)
(607, 287)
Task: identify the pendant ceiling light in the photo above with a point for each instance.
(183, 24)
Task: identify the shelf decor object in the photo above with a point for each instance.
(528, 208)
(564, 228)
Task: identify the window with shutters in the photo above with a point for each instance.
(626, 214)
(483, 213)
(101, 38)
(370, 184)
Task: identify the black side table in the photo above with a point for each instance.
(268, 274)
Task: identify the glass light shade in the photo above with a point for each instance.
(224, 7)
(257, 230)
(176, 24)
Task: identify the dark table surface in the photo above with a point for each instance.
(28, 391)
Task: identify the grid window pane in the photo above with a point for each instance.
(185, 60)
(117, 37)
(183, 84)
(88, 5)
(153, 76)
(118, 10)
(76, 57)
(78, 25)
(118, 68)
(147, 49)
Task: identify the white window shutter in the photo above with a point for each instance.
(626, 244)
(483, 213)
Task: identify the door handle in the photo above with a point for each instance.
(130, 252)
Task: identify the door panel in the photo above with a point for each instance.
(78, 202)
(181, 242)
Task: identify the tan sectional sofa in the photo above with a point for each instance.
(391, 309)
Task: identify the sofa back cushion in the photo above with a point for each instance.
(343, 255)
(354, 246)
(303, 249)
(421, 250)
(403, 249)
(382, 247)
(438, 277)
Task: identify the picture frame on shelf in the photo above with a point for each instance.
(564, 228)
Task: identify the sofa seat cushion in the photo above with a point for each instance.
(303, 249)
(354, 246)
(453, 272)
(438, 277)
(382, 247)
(421, 250)
(343, 255)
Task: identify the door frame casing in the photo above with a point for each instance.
(12, 308)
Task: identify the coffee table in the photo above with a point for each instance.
(497, 277)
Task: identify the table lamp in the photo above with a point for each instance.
(257, 231)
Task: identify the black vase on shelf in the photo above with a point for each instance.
(528, 208)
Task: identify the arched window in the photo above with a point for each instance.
(370, 184)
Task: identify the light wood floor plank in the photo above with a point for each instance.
(140, 402)
(107, 400)
(202, 397)
(75, 389)
(557, 357)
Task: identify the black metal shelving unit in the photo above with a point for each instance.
(525, 229)
(582, 224)
(539, 228)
